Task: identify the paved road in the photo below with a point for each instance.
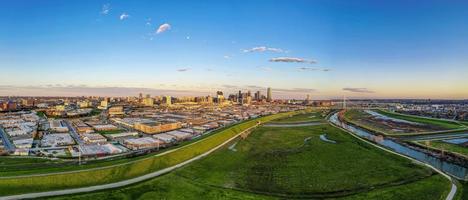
(121, 183)
(6, 142)
(73, 132)
(293, 124)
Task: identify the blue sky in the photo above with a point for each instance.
(381, 49)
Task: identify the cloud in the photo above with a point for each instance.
(358, 90)
(295, 90)
(255, 87)
(124, 16)
(229, 86)
(164, 27)
(292, 60)
(105, 9)
(227, 57)
(313, 69)
(187, 37)
(148, 22)
(183, 69)
(263, 49)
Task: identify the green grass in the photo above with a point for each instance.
(41, 114)
(279, 163)
(432, 121)
(435, 187)
(448, 147)
(95, 112)
(361, 118)
(16, 185)
(464, 191)
(313, 116)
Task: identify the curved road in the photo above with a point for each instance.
(121, 183)
(293, 124)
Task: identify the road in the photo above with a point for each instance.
(73, 132)
(6, 142)
(121, 183)
(294, 124)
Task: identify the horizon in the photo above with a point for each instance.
(325, 49)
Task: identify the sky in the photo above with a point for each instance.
(327, 49)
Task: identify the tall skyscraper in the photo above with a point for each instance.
(258, 96)
(269, 97)
(168, 100)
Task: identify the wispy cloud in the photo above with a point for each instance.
(255, 87)
(227, 57)
(105, 9)
(183, 69)
(163, 28)
(124, 16)
(296, 90)
(263, 49)
(148, 22)
(313, 69)
(292, 60)
(281, 91)
(229, 86)
(358, 90)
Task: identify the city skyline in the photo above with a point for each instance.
(359, 50)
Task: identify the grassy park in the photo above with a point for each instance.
(424, 120)
(123, 169)
(314, 116)
(389, 123)
(289, 163)
(441, 145)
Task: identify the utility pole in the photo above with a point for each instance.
(79, 155)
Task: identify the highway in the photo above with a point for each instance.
(6, 142)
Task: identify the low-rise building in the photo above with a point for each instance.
(58, 126)
(93, 138)
(157, 127)
(104, 127)
(166, 138)
(180, 136)
(57, 139)
(142, 143)
(116, 110)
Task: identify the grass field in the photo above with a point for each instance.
(447, 147)
(312, 116)
(8, 163)
(432, 121)
(413, 124)
(18, 185)
(284, 163)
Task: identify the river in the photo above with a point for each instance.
(457, 171)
